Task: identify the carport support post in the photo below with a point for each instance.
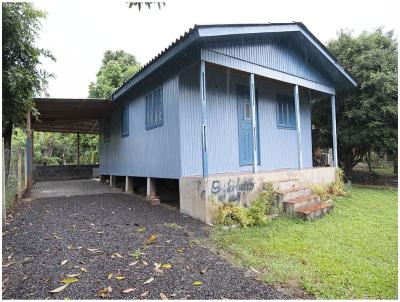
(334, 136)
(203, 117)
(298, 125)
(128, 184)
(29, 151)
(253, 121)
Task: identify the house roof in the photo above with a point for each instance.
(202, 32)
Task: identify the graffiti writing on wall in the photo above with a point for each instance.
(232, 189)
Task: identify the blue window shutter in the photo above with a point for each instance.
(154, 109)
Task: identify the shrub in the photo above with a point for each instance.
(335, 189)
(229, 214)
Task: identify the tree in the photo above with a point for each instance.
(22, 77)
(367, 115)
(148, 4)
(117, 67)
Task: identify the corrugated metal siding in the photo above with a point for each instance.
(278, 147)
(145, 153)
(190, 121)
(274, 53)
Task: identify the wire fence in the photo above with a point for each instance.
(16, 182)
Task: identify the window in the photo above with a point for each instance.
(246, 110)
(107, 129)
(125, 120)
(154, 109)
(285, 113)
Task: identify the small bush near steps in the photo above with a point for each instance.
(332, 191)
(256, 214)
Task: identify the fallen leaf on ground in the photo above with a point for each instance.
(84, 270)
(168, 241)
(119, 277)
(166, 265)
(94, 250)
(141, 229)
(163, 296)
(59, 289)
(203, 271)
(254, 270)
(128, 290)
(64, 262)
(73, 275)
(197, 283)
(144, 294)
(115, 255)
(70, 247)
(144, 263)
(109, 276)
(180, 250)
(151, 239)
(9, 264)
(133, 263)
(149, 281)
(69, 280)
(104, 292)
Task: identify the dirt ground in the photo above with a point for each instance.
(121, 247)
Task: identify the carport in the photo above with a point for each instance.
(66, 116)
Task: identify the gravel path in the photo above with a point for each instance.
(88, 230)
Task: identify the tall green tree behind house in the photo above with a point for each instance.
(116, 67)
(367, 115)
(22, 77)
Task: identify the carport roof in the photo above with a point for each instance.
(70, 115)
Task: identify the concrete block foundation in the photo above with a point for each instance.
(198, 195)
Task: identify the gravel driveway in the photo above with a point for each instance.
(109, 233)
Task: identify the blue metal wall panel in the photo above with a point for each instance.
(190, 120)
(145, 153)
(278, 147)
(275, 53)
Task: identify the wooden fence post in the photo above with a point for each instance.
(25, 170)
(19, 174)
(3, 180)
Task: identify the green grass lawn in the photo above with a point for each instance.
(351, 253)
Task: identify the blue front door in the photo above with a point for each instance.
(245, 126)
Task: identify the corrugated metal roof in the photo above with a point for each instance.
(193, 34)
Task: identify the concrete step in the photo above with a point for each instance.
(285, 195)
(315, 211)
(292, 205)
(285, 184)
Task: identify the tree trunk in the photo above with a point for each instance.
(7, 134)
(395, 168)
(368, 158)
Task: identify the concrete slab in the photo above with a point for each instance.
(70, 188)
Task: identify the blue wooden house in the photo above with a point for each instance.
(228, 102)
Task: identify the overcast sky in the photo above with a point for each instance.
(78, 32)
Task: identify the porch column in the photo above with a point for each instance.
(253, 121)
(29, 151)
(334, 137)
(203, 117)
(298, 125)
